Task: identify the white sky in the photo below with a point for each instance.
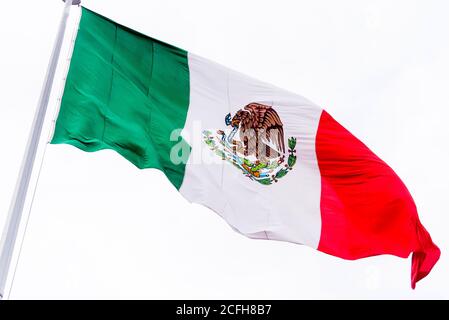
(100, 228)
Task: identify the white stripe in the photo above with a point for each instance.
(288, 210)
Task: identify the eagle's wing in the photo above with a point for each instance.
(257, 112)
(272, 124)
(265, 117)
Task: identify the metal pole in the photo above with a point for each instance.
(18, 200)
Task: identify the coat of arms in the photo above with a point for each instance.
(258, 149)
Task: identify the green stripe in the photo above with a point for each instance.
(126, 92)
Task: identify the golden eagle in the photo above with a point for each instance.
(260, 130)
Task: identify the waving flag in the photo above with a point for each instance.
(271, 163)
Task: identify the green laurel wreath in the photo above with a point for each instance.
(249, 168)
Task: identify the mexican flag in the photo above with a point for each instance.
(271, 163)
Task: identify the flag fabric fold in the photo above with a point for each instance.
(271, 163)
(366, 209)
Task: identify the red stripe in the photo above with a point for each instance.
(366, 209)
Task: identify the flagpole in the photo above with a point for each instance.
(13, 219)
